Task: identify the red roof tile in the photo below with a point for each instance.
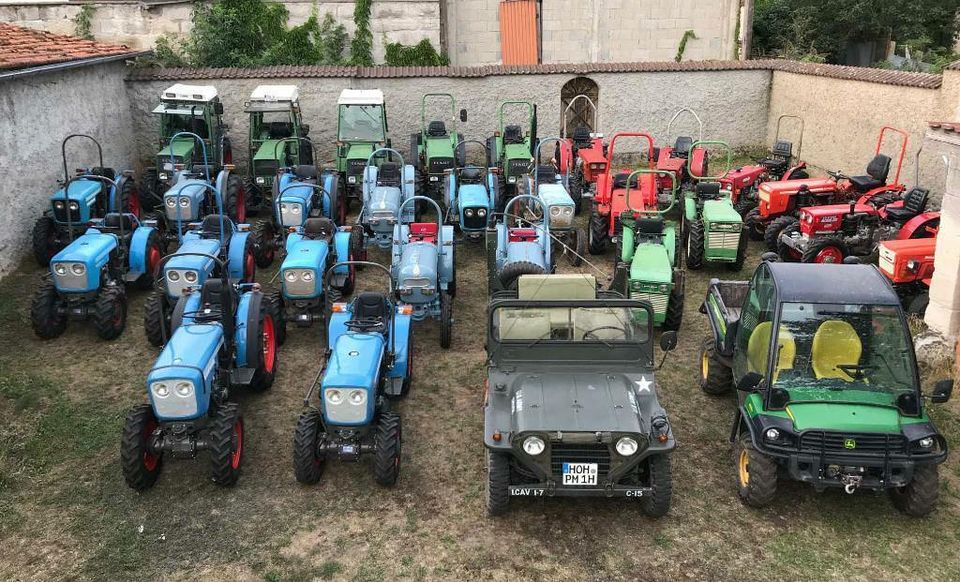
(21, 48)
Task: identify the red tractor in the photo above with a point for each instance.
(828, 234)
(777, 166)
(681, 161)
(908, 263)
(582, 156)
(609, 201)
(780, 202)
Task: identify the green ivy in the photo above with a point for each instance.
(361, 48)
(421, 54)
(688, 35)
(83, 22)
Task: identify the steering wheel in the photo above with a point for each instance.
(838, 175)
(364, 324)
(593, 331)
(855, 371)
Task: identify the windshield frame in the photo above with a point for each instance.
(382, 120)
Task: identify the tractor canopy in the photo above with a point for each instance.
(178, 383)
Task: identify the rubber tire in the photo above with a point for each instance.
(657, 504)
(719, 378)
(264, 239)
(249, 253)
(754, 225)
(275, 307)
(133, 447)
(387, 442)
(695, 242)
(816, 245)
(46, 322)
(222, 447)
(110, 312)
(674, 315)
(263, 378)
(355, 246)
(744, 205)
(772, 233)
(575, 256)
(498, 483)
(576, 191)
(446, 320)
(918, 304)
(737, 265)
(761, 486)
(253, 195)
(128, 193)
(156, 320)
(307, 466)
(599, 239)
(44, 240)
(510, 274)
(234, 202)
(408, 381)
(919, 497)
(147, 191)
(786, 253)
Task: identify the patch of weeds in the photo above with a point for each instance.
(411, 520)
(329, 569)
(71, 431)
(369, 573)
(663, 541)
(24, 390)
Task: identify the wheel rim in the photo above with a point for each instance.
(743, 466)
(133, 204)
(153, 261)
(241, 205)
(238, 449)
(150, 460)
(829, 255)
(249, 267)
(269, 344)
(704, 365)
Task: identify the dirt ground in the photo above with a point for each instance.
(67, 513)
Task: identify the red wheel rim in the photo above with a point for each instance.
(249, 267)
(269, 344)
(829, 255)
(241, 205)
(133, 204)
(150, 460)
(153, 260)
(238, 451)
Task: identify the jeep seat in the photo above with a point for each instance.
(471, 175)
(758, 350)
(681, 148)
(437, 129)
(371, 305)
(389, 174)
(877, 171)
(210, 228)
(319, 228)
(708, 190)
(305, 172)
(512, 134)
(836, 343)
(914, 202)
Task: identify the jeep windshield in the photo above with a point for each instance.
(361, 123)
(846, 353)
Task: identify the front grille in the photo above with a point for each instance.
(355, 167)
(863, 443)
(723, 240)
(60, 215)
(658, 300)
(266, 167)
(886, 261)
(438, 165)
(518, 167)
(474, 222)
(561, 453)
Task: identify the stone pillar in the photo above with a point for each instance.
(943, 313)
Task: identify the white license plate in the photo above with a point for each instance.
(580, 474)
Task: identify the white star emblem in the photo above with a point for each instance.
(643, 385)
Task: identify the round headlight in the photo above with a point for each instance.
(161, 390)
(468, 212)
(184, 389)
(78, 268)
(261, 180)
(357, 397)
(627, 446)
(555, 211)
(58, 205)
(283, 207)
(74, 206)
(171, 202)
(334, 396)
(926, 442)
(307, 276)
(567, 211)
(773, 434)
(482, 212)
(295, 208)
(184, 202)
(60, 269)
(290, 276)
(534, 445)
(173, 276)
(190, 276)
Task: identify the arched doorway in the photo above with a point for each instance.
(581, 113)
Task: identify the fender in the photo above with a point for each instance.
(493, 187)
(409, 181)
(698, 162)
(628, 247)
(331, 199)
(236, 254)
(401, 233)
(451, 190)
(788, 175)
(923, 225)
(895, 188)
(446, 256)
(690, 208)
(341, 246)
(137, 263)
(337, 326)
(223, 179)
(400, 339)
(247, 321)
(501, 241)
(369, 182)
(670, 241)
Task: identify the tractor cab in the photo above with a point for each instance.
(361, 129)
(275, 116)
(434, 146)
(385, 188)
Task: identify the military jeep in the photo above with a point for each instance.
(571, 405)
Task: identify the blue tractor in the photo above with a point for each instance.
(385, 187)
(522, 248)
(88, 278)
(224, 338)
(300, 192)
(471, 194)
(423, 269)
(553, 189)
(89, 194)
(367, 365)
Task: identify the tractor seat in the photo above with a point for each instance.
(708, 190)
(305, 172)
(512, 134)
(877, 171)
(210, 293)
(278, 129)
(782, 149)
(681, 148)
(523, 235)
(650, 225)
(546, 173)
(117, 221)
(437, 129)
(107, 173)
(836, 343)
(914, 202)
(201, 171)
(371, 305)
(210, 229)
(471, 175)
(199, 127)
(620, 181)
(423, 232)
(319, 228)
(581, 135)
(389, 174)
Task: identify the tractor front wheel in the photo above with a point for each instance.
(110, 312)
(44, 239)
(918, 497)
(387, 448)
(308, 466)
(150, 199)
(152, 256)
(785, 251)
(756, 473)
(498, 483)
(576, 191)
(829, 250)
(278, 312)
(574, 249)
(139, 463)
(446, 319)
(226, 444)
(264, 237)
(715, 378)
(156, 319)
(356, 247)
(674, 315)
(599, 238)
(695, 243)
(264, 339)
(771, 234)
(660, 476)
(129, 199)
(45, 316)
(754, 225)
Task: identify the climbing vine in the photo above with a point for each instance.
(688, 35)
(361, 47)
(83, 22)
(421, 54)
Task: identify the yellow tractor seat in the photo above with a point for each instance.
(835, 343)
(758, 349)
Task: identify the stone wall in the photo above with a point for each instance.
(36, 113)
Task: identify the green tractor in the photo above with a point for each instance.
(194, 109)
(361, 130)
(712, 228)
(274, 119)
(434, 146)
(648, 261)
(511, 150)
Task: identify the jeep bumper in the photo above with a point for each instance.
(550, 489)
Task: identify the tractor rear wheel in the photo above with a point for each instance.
(264, 242)
(919, 497)
(262, 343)
(356, 247)
(511, 272)
(826, 249)
(754, 225)
(498, 483)
(44, 238)
(674, 310)
(308, 466)
(695, 243)
(660, 477)
(140, 465)
(277, 311)
(156, 319)
(129, 199)
(745, 204)
(576, 248)
(110, 312)
(599, 237)
(576, 190)
(772, 233)
(918, 304)
(784, 251)
(234, 199)
(45, 316)
(756, 473)
(715, 378)
(446, 320)
(387, 441)
(226, 444)
(254, 196)
(741, 253)
(249, 261)
(152, 255)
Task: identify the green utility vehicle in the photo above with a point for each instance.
(361, 130)
(511, 149)
(827, 384)
(434, 147)
(712, 227)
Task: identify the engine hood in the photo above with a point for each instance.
(269, 150)
(81, 191)
(720, 211)
(306, 254)
(181, 148)
(553, 194)
(473, 196)
(651, 263)
(847, 410)
(92, 249)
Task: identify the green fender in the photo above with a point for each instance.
(628, 247)
(670, 241)
(690, 208)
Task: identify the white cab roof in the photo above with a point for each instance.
(360, 97)
(180, 92)
(275, 93)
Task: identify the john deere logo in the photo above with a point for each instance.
(849, 444)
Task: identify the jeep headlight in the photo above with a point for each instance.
(78, 269)
(534, 445)
(627, 446)
(160, 389)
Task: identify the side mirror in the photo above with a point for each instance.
(749, 382)
(942, 391)
(218, 108)
(668, 341)
(463, 115)
(304, 130)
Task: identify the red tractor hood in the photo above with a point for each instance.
(818, 212)
(786, 187)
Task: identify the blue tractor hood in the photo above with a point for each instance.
(92, 249)
(554, 194)
(473, 196)
(355, 361)
(203, 246)
(83, 191)
(303, 253)
(191, 354)
(193, 189)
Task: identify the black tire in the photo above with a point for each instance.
(150, 199)
(355, 247)
(452, 283)
(408, 381)
(715, 378)
(674, 315)
(226, 444)
(446, 320)
(745, 204)
(784, 251)
(45, 240)
(234, 199)
(414, 150)
(819, 244)
(657, 504)
(149, 278)
(129, 199)
(254, 196)
(576, 191)
(268, 357)
(599, 238)
(741, 253)
(45, 316)
(110, 312)
(919, 497)
(510, 274)
(695, 243)
(249, 262)
(275, 308)
(156, 319)
(493, 157)
(387, 442)
(498, 483)
(918, 305)
(772, 233)
(307, 465)
(577, 247)
(759, 470)
(140, 466)
(330, 297)
(264, 243)
(754, 225)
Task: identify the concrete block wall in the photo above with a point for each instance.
(943, 312)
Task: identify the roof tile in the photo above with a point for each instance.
(25, 47)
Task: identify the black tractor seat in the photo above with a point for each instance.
(681, 148)
(210, 228)
(115, 221)
(546, 173)
(201, 171)
(650, 226)
(708, 190)
(319, 228)
(782, 150)
(211, 297)
(389, 174)
(278, 129)
(306, 172)
(914, 202)
(581, 136)
(471, 175)
(437, 129)
(877, 171)
(373, 310)
(512, 134)
(107, 173)
(620, 181)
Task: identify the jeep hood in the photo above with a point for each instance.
(575, 403)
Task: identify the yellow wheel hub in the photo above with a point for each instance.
(704, 365)
(743, 466)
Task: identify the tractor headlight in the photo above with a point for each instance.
(171, 202)
(533, 446)
(173, 276)
(481, 212)
(184, 389)
(512, 180)
(74, 206)
(190, 276)
(160, 389)
(358, 397)
(78, 269)
(555, 211)
(58, 205)
(468, 212)
(60, 269)
(163, 176)
(351, 179)
(184, 202)
(290, 276)
(299, 282)
(913, 265)
(260, 180)
(664, 287)
(627, 446)
(567, 211)
(295, 208)
(307, 276)
(334, 397)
